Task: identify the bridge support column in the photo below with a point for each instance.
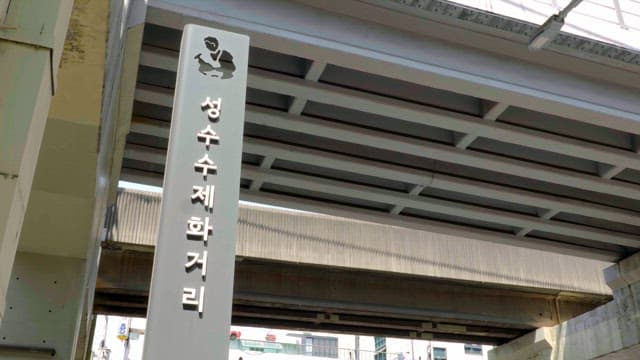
(43, 307)
(31, 38)
(609, 331)
(55, 168)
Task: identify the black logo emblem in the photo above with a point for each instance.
(217, 63)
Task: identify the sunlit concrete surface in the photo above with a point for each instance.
(425, 116)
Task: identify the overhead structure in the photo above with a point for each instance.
(384, 280)
(551, 28)
(422, 114)
(435, 122)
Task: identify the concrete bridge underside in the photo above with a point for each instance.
(425, 115)
(442, 120)
(316, 272)
(307, 297)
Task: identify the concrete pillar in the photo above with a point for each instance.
(611, 331)
(56, 234)
(536, 345)
(42, 314)
(32, 34)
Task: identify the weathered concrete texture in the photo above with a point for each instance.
(536, 345)
(11, 215)
(632, 353)
(84, 334)
(370, 268)
(611, 331)
(30, 46)
(113, 70)
(3, 8)
(57, 217)
(64, 183)
(272, 293)
(42, 302)
(310, 238)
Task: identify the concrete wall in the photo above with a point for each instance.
(611, 331)
(295, 236)
(31, 39)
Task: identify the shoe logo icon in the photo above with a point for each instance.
(215, 62)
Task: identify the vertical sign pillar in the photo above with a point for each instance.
(192, 283)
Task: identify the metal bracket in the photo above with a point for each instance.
(551, 28)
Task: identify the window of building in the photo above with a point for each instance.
(473, 349)
(381, 348)
(439, 353)
(322, 346)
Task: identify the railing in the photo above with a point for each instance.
(258, 349)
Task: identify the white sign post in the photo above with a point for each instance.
(192, 283)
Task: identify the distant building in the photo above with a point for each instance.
(249, 343)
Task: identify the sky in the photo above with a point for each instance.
(595, 19)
